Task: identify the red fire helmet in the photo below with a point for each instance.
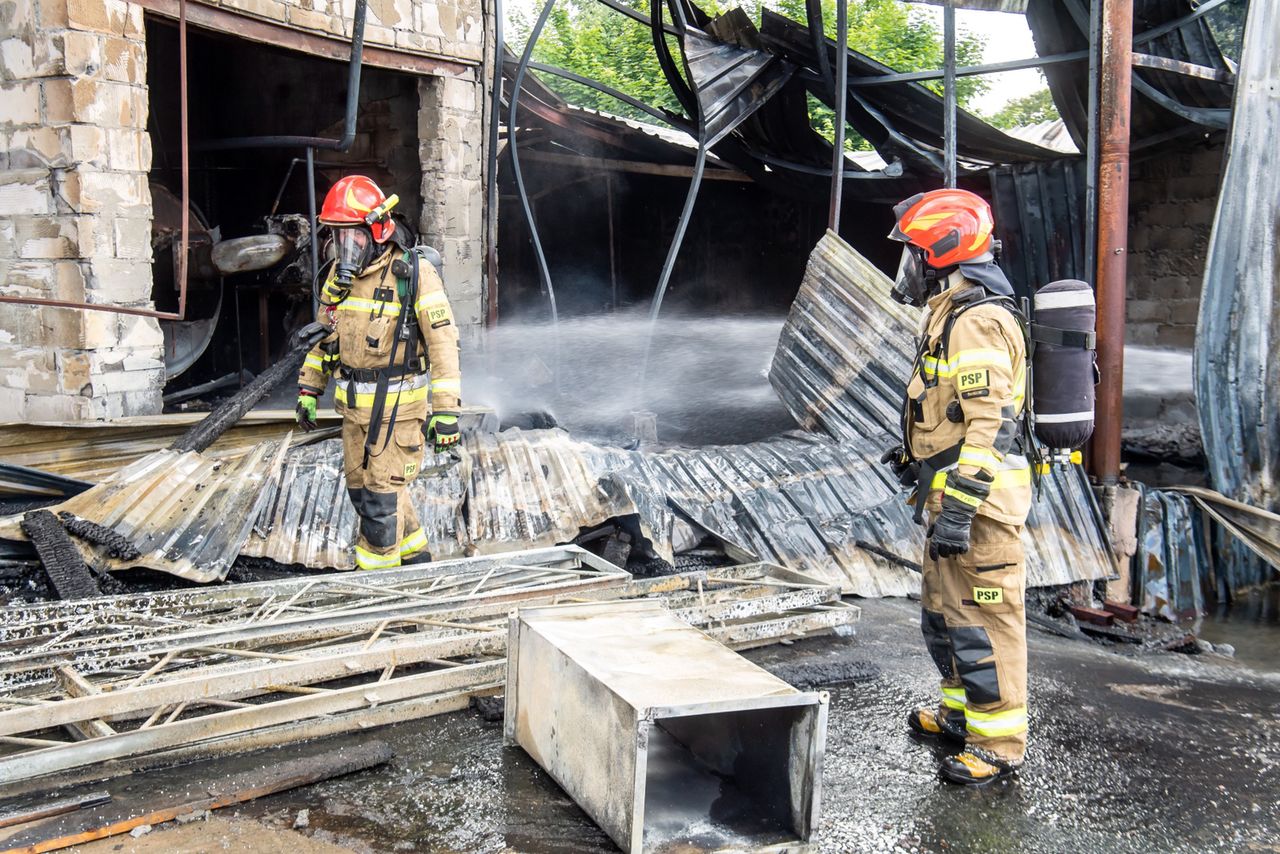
(951, 226)
(357, 200)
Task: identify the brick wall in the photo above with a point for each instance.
(1172, 199)
(75, 209)
(452, 140)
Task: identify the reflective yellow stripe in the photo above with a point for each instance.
(971, 500)
(986, 458)
(995, 724)
(953, 698)
(313, 362)
(435, 298)
(358, 304)
(1004, 478)
(412, 395)
(412, 543)
(967, 359)
(447, 385)
(369, 560)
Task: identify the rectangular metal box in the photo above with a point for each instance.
(668, 739)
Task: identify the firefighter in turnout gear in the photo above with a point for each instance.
(962, 429)
(393, 355)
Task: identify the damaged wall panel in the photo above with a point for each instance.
(1237, 356)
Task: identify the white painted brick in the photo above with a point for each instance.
(16, 59)
(12, 404)
(21, 103)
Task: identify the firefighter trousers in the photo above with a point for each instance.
(379, 489)
(974, 623)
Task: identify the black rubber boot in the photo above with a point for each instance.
(976, 767)
(927, 723)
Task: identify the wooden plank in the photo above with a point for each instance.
(48, 810)
(243, 787)
(328, 47)
(52, 759)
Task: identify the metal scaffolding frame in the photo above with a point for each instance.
(190, 673)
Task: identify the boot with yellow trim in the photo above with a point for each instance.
(928, 722)
(974, 766)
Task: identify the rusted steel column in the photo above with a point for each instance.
(1113, 232)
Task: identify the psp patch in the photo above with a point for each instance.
(974, 380)
(410, 469)
(438, 316)
(988, 595)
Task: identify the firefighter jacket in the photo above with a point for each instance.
(371, 345)
(965, 400)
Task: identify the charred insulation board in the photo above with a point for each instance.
(669, 740)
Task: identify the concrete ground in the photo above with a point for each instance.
(1158, 752)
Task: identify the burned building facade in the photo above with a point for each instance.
(91, 177)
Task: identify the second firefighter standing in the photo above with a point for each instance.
(393, 357)
(962, 451)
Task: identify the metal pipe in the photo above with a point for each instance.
(181, 313)
(818, 37)
(949, 94)
(512, 112)
(1091, 146)
(685, 214)
(491, 176)
(1114, 92)
(612, 93)
(842, 97)
(352, 110)
(315, 234)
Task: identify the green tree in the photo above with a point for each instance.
(1027, 110)
(590, 39)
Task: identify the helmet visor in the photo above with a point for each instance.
(910, 287)
(353, 246)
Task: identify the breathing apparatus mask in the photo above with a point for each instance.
(353, 249)
(916, 280)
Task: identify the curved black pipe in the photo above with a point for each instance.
(818, 35)
(668, 65)
(353, 106)
(491, 175)
(512, 145)
(665, 118)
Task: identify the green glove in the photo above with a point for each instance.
(306, 411)
(442, 429)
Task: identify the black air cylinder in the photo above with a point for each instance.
(1063, 373)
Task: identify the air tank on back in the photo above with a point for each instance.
(1063, 368)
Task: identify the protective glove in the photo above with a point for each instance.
(306, 411)
(949, 533)
(906, 470)
(442, 429)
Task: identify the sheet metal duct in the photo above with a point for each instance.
(666, 738)
(1237, 355)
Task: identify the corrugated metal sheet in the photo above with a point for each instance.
(186, 514)
(1237, 357)
(802, 501)
(841, 367)
(1039, 212)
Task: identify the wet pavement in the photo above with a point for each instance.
(1159, 752)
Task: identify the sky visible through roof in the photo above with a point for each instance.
(1007, 37)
